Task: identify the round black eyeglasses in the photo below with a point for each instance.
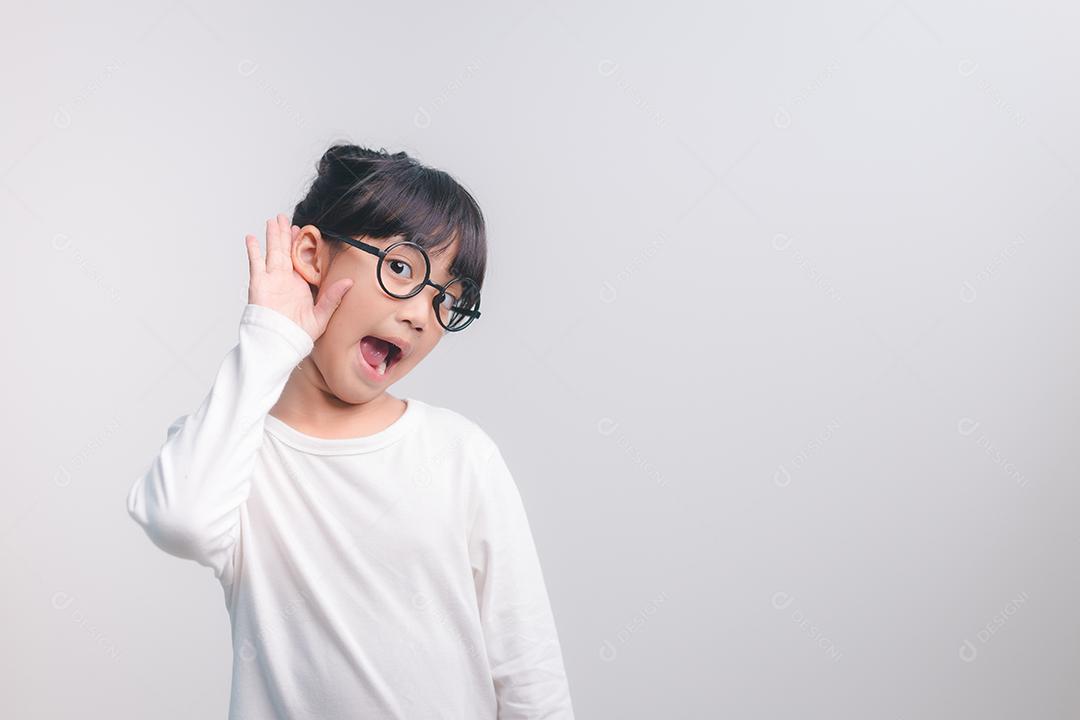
(456, 304)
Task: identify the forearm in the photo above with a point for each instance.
(188, 500)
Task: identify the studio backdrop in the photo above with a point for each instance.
(779, 331)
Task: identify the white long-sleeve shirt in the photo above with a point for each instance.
(387, 576)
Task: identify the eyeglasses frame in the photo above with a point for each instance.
(380, 253)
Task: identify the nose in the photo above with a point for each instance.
(417, 310)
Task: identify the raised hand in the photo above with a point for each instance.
(275, 284)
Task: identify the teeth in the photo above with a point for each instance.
(382, 367)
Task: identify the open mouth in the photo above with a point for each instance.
(381, 355)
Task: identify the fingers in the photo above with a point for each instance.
(285, 238)
(279, 240)
(273, 247)
(256, 262)
(330, 300)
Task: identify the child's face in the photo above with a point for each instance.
(367, 310)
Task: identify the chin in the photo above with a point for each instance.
(357, 393)
(347, 386)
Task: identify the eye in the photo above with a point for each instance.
(449, 300)
(396, 266)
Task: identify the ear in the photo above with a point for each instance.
(310, 254)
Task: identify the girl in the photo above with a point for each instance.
(374, 552)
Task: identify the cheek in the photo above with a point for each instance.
(418, 356)
(361, 308)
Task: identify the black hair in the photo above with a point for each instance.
(362, 192)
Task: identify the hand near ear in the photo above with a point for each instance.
(275, 284)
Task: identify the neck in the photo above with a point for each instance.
(308, 405)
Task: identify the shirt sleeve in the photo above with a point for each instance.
(515, 613)
(188, 500)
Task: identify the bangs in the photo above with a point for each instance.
(382, 196)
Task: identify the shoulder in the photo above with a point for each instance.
(459, 430)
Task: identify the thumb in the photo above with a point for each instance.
(330, 301)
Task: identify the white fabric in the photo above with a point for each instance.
(386, 576)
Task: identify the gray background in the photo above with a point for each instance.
(779, 336)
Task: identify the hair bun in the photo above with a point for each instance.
(339, 157)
